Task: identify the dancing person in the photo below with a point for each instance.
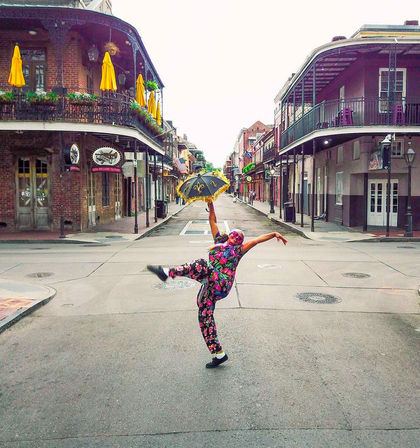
(216, 277)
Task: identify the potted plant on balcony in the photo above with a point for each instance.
(41, 97)
(152, 85)
(82, 99)
(6, 96)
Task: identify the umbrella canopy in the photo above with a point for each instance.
(140, 93)
(108, 81)
(151, 107)
(158, 116)
(16, 75)
(204, 187)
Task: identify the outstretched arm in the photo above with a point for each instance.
(213, 220)
(261, 239)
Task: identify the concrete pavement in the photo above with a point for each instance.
(117, 359)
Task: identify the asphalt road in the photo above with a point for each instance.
(116, 359)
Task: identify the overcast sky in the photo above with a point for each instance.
(224, 61)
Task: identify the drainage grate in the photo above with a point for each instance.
(176, 284)
(317, 297)
(95, 245)
(355, 275)
(40, 248)
(117, 237)
(406, 247)
(40, 274)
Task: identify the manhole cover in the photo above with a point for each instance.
(269, 266)
(406, 247)
(176, 284)
(40, 274)
(355, 275)
(317, 297)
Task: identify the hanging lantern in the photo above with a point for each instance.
(93, 53)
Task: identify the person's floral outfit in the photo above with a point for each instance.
(216, 277)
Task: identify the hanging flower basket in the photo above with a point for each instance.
(111, 48)
(145, 117)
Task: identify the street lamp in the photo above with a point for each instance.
(272, 171)
(409, 157)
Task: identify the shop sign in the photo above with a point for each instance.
(106, 157)
(106, 169)
(248, 178)
(71, 154)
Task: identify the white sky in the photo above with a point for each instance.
(224, 61)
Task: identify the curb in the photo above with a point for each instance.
(389, 239)
(277, 221)
(19, 314)
(146, 232)
(93, 243)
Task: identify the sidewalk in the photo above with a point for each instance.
(331, 231)
(117, 231)
(18, 299)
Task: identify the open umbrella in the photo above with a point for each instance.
(140, 91)
(158, 115)
(151, 107)
(203, 186)
(16, 75)
(108, 81)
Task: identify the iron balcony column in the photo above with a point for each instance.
(155, 182)
(301, 185)
(313, 187)
(136, 226)
(294, 186)
(409, 214)
(147, 188)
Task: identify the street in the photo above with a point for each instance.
(322, 338)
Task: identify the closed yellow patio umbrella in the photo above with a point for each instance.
(108, 81)
(140, 93)
(16, 75)
(151, 107)
(158, 116)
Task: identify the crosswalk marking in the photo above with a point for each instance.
(202, 227)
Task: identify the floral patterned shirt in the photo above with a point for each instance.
(224, 258)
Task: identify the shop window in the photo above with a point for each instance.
(400, 87)
(340, 154)
(339, 188)
(105, 189)
(397, 148)
(34, 68)
(356, 150)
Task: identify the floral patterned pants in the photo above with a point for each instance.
(200, 271)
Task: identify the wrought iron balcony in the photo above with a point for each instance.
(107, 108)
(354, 112)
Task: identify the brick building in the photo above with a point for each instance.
(67, 147)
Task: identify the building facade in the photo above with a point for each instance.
(335, 113)
(68, 148)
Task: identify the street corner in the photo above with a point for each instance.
(18, 299)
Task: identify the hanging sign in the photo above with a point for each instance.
(106, 157)
(71, 154)
(376, 161)
(248, 178)
(106, 169)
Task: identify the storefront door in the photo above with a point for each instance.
(377, 203)
(33, 193)
(91, 199)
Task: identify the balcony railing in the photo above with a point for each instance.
(107, 108)
(354, 112)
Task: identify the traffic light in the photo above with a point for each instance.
(386, 144)
(386, 156)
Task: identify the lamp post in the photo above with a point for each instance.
(386, 164)
(272, 171)
(409, 157)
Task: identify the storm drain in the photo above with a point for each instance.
(40, 274)
(40, 248)
(406, 247)
(176, 284)
(317, 297)
(355, 275)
